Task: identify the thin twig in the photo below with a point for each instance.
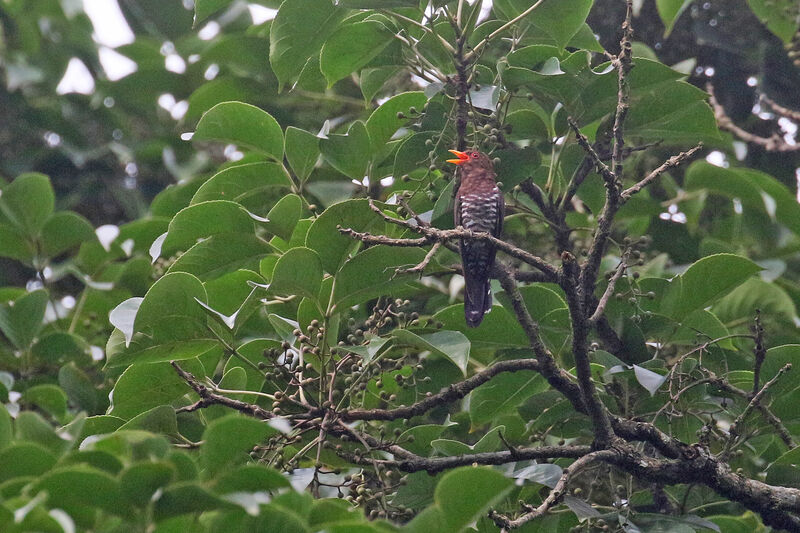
(733, 432)
(773, 143)
(612, 283)
(501, 29)
(672, 162)
(556, 494)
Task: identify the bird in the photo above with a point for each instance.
(479, 207)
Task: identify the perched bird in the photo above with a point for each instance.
(478, 207)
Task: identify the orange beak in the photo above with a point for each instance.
(461, 157)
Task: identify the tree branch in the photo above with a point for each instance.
(556, 494)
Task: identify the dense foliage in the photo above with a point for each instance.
(278, 342)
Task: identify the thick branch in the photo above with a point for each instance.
(438, 464)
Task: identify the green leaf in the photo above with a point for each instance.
(669, 11)
(63, 231)
(6, 427)
(776, 359)
(22, 321)
(79, 388)
(557, 19)
(755, 295)
(383, 122)
(349, 154)
(244, 125)
(227, 440)
(298, 271)
(779, 16)
(466, 493)
(14, 244)
(221, 254)
(49, 398)
(302, 151)
(60, 346)
(31, 426)
(372, 273)
(145, 386)
(351, 47)
(81, 485)
(706, 280)
(205, 8)
(452, 345)
(159, 420)
(22, 459)
(297, 34)
(240, 182)
(284, 215)
(503, 394)
(187, 497)
(251, 478)
(755, 190)
(516, 165)
(27, 203)
(328, 242)
(785, 470)
(203, 220)
(140, 481)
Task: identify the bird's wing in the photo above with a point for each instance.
(501, 213)
(457, 210)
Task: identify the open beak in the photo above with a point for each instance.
(461, 157)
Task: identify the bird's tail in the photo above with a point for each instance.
(477, 300)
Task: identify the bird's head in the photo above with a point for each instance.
(470, 160)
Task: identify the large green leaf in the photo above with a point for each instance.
(452, 345)
(373, 273)
(63, 231)
(205, 8)
(324, 237)
(302, 151)
(244, 125)
(350, 153)
(83, 486)
(238, 182)
(145, 386)
(466, 493)
(503, 394)
(351, 47)
(559, 20)
(21, 321)
(27, 203)
(706, 280)
(284, 215)
(384, 122)
(781, 17)
(203, 220)
(140, 481)
(223, 253)
(24, 459)
(170, 324)
(228, 440)
(669, 11)
(297, 34)
(298, 271)
(755, 190)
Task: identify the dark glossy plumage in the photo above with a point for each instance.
(478, 207)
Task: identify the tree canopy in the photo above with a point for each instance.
(230, 295)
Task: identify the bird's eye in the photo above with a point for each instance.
(474, 155)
